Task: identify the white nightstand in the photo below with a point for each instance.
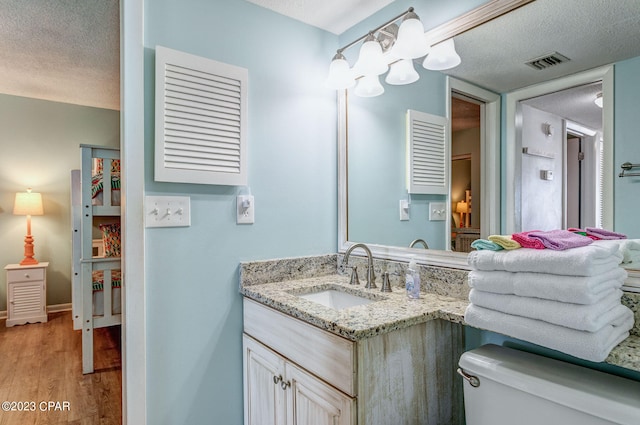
(26, 293)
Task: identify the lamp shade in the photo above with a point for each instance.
(598, 100)
(442, 56)
(340, 75)
(371, 60)
(402, 72)
(28, 203)
(410, 43)
(369, 86)
(462, 207)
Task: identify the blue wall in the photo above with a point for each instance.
(377, 165)
(627, 145)
(194, 310)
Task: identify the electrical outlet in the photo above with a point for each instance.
(245, 209)
(437, 211)
(167, 211)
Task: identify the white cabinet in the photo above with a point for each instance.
(278, 392)
(264, 400)
(298, 374)
(26, 293)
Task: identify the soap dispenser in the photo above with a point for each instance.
(412, 280)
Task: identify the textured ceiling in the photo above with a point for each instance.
(61, 50)
(591, 33)
(335, 16)
(575, 104)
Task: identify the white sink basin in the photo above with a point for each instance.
(336, 299)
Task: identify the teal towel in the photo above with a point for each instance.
(481, 244)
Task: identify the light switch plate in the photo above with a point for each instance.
(404, 210)
(167, 211)
(245, 209)
(437, 211)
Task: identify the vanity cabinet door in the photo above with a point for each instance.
(313, 402)
(264, 396)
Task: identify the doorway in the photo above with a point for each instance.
(467, 116)
(471, 107)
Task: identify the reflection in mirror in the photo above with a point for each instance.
(466, 116)
(561, 173)
(377, 179)
(492, 63)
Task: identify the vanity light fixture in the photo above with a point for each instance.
(394, 47)
(598, 100)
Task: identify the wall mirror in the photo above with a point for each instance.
(494, 56)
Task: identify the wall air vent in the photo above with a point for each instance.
(547, 61)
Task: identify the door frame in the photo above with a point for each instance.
(134, 336)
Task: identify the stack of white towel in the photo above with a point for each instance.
(565, 300)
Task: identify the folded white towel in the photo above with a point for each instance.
(571, 289)
(629, 248)
(593, 346)
(583, 317)
(583, 261)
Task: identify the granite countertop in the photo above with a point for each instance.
(391, 311)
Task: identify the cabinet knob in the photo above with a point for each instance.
(284, 385)
(277, 379)
(26, 275)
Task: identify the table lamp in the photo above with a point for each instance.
(462, 208)
(28, 203)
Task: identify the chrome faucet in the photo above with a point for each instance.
(417, 241)
(371, 277)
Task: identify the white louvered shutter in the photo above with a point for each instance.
(201, 120)
(427, 154)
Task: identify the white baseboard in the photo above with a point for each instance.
(55, 308)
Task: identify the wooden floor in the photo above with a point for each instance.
(42, 363)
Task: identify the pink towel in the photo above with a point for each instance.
(560, 239)
(604, 234)
(526, 241)
(583, 233)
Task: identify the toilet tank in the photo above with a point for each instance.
(525, 389)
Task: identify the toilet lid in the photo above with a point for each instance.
(602, 395)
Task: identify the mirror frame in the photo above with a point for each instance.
(490, 152)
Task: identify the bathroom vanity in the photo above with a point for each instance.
(381, 358)
(391, 360)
